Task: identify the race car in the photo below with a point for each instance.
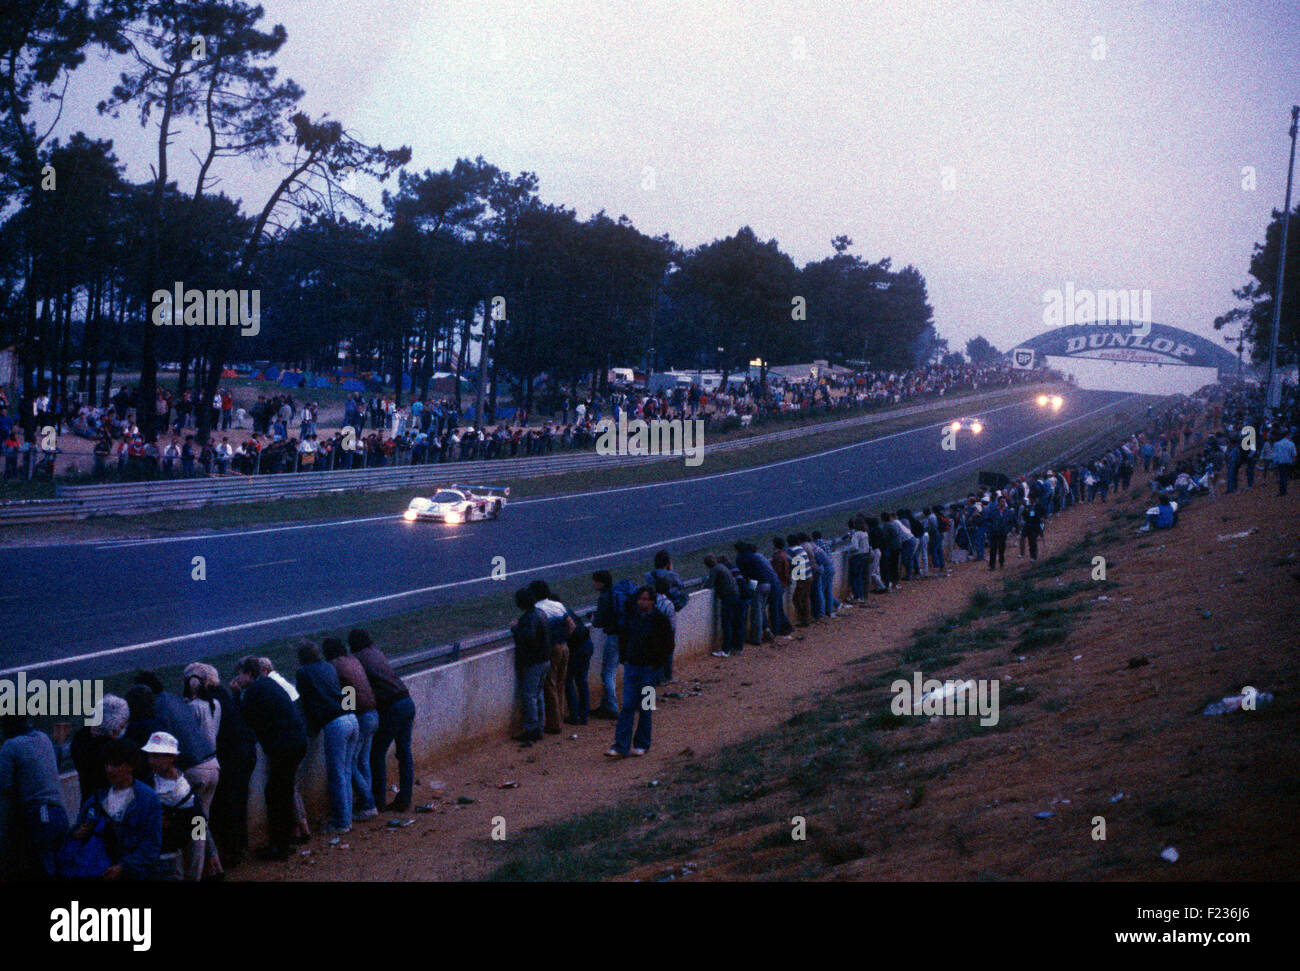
(1054, 401)
(458, 504)
(972, 425)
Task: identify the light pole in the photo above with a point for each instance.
(1275, 392)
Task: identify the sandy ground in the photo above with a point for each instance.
(1221, 790)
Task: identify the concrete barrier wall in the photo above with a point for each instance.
(467, 700)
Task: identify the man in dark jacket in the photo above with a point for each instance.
(322, 708)
(396, 719)
(275, 721)
(237, 753)
(771, 611)
(649, 645)
(532, 635)
(998, 522)
(730, 607)
(608, 624)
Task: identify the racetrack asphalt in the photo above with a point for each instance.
(93, 608)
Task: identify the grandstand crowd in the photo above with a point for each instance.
(159, 760)
(278, 433)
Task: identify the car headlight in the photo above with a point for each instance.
(955, 426)
(1042, 401)
(410, 515)
(452, 518)
(1057, 401)
(976, 427)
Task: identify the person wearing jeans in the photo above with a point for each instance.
(605, 621)
(649, 645)
(396, 718)
(360, 700)
(1284, 456)
(321, 695)
(532, 634)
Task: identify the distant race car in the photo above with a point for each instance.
(458, 504)
(1053, 401)
(972, 425)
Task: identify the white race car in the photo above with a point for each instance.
(458, 504)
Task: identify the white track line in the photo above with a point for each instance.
(334, 608)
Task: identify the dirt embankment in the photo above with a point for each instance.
(1102, 684)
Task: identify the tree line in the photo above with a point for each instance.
(450, 261)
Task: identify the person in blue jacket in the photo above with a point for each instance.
(131, 812)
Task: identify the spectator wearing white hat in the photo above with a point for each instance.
(184, 825)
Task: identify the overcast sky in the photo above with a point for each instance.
(1004, 149)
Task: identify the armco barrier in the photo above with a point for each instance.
(124, 498)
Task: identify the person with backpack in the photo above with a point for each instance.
(649, 646)
(613, 603)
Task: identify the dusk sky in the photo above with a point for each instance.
(1004, 149)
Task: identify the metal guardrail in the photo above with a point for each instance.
(76, 502)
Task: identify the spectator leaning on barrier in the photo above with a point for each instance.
(352, 676)
(557, 616)
(278, 725)
(33, 822)
(198, 750)
(396, 720)
(576, 689)
(532, 635)
(325, 715)
(608, 621)
(182, 854)
(237, 753)
(730, 610)
(88, 743)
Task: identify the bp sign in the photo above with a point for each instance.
(1140, 343)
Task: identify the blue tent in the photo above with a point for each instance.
(272, 373)
(291, 379)
(320, 381)
(352, 384)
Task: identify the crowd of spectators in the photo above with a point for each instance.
(158, 761)
(376, 431)
(164, 776)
